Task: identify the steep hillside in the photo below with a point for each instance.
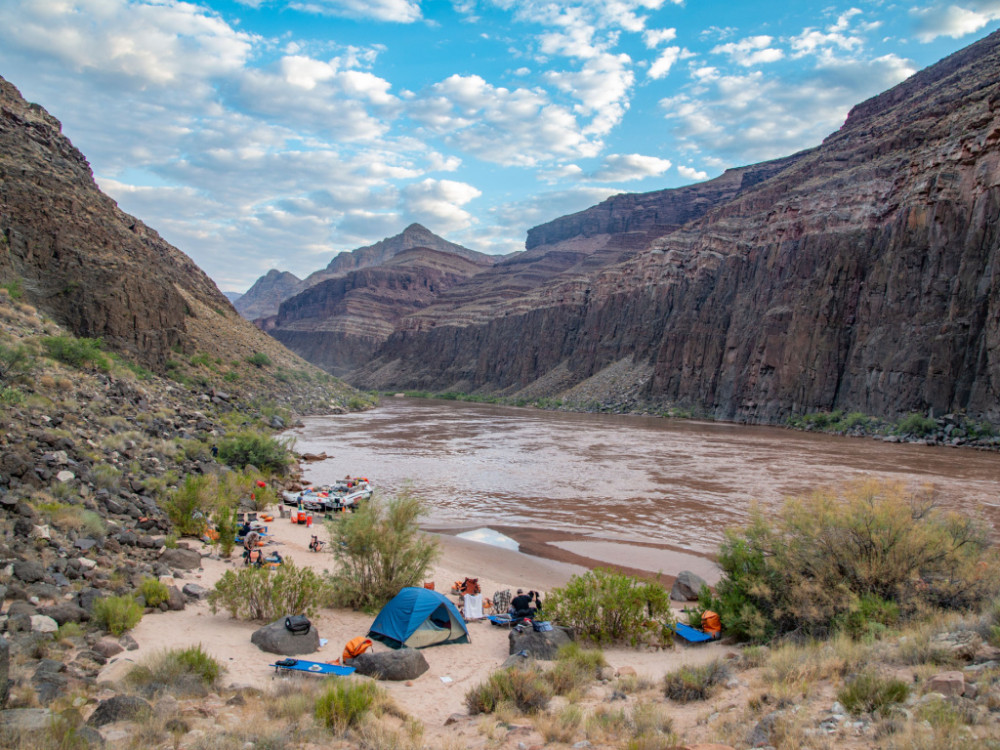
(269, 291)
(105, 275)
(861, 275)
(339, 323)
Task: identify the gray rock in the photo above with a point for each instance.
(194, 591)
(520, 659)
(539, 645)
(65, 612)
(43, 624)
(108, 647)
(21, 720)
(277, 639)
(397, 666)
(185, 559)
(29, 571)
(48, 681)
(176, 601)
(687, 586)
(760, 735)
(119, 708)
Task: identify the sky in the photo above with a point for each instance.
(259, 134)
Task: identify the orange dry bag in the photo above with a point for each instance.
(355, 647)
(711, 623)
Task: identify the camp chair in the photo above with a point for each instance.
(311, 667)
(501, 602)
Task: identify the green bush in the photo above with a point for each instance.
(106, 477)
(872, 617)
(525, 689)
(16, 364)
(250, 448)
(10, 396)
(188, 505)
(380, 550)
(810, 568)
(225, 523)
(343, 704)
(606, 606)
(915, 424)
(154, 591)
(80, 353)
(574, 668)
(264, 594)
(259, 360)
(871, 693)
(695, 683)
(116, 614)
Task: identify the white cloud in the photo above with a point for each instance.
(690, 173)
(655, 37)
(953, 20)
(518, 217)
(812, 41)
(753, 50)
(664, 63)
(442, 201)
(602, 87)
(626, 167)
(511, 127)
(397, 11)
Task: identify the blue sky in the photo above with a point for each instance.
(257, 134)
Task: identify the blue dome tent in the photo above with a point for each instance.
(418, 617)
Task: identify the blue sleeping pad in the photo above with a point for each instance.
(314, 667)
(692, 635)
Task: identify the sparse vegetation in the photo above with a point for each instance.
(80, 353)
(871, 693)
(343, 704)
(606, 606)
(263, 594)
(181, 671)
(379, 550)
(695, 683)
(250, 448)
(116, 614)
(524, 688)
(154, 592)
(259, 359)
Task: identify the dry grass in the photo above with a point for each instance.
(559, 726)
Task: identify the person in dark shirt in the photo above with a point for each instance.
(521, 605)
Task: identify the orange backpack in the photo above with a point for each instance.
(355, 647)
(711, 623)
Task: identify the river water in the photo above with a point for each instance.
(640, 492)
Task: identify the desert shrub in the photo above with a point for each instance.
(80, 353)
(116, 614)
(574, 668)
(106, 477)
(264, 594)
(188, 505)
(606, 606)
(561, 726)
(154, 591)
(344, 704)
(526, 689)
(872, 693)
(915, 424)
(380, 550)
(16, 364)
(870, 619)
(226, 524)
(10, 396)
(259, 359)
(250, 448)
(694, 683)
(810, 568)
(183, 671)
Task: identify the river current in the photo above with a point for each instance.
(636, 491)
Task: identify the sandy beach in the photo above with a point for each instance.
(435, 695)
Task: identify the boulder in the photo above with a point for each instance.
(398, 666)
(194, 591)
(43, 624)
(543, 645)
(65, 612)
(277, 639)
(29, 571)
(49, 680)
(947, 683)
(108, 647)
(185, 559)
(687, 586)
(175, 602)
(119, 708)
(24, 720)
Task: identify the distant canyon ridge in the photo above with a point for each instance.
(863, 275)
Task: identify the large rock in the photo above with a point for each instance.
(277, 639)
(119, 708)
(947, 683)
(65, 612)
(185, 559)
(687, 586)
(29, 571)
(543, 645)
(403, 664)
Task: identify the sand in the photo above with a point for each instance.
(436, 694)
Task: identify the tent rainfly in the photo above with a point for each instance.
(418, 617)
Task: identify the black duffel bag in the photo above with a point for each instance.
(297, 624)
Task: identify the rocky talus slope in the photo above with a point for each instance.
(861, 275)
(105, 275)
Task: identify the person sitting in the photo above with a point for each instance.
(244, 529)
(253, 557)
(521, 605)
(315, 545)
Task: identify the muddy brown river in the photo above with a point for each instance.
(639, 492)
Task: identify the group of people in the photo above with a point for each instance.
(525, 605)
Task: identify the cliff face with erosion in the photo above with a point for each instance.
(338, 323)
(862, 275)
(95, 269)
